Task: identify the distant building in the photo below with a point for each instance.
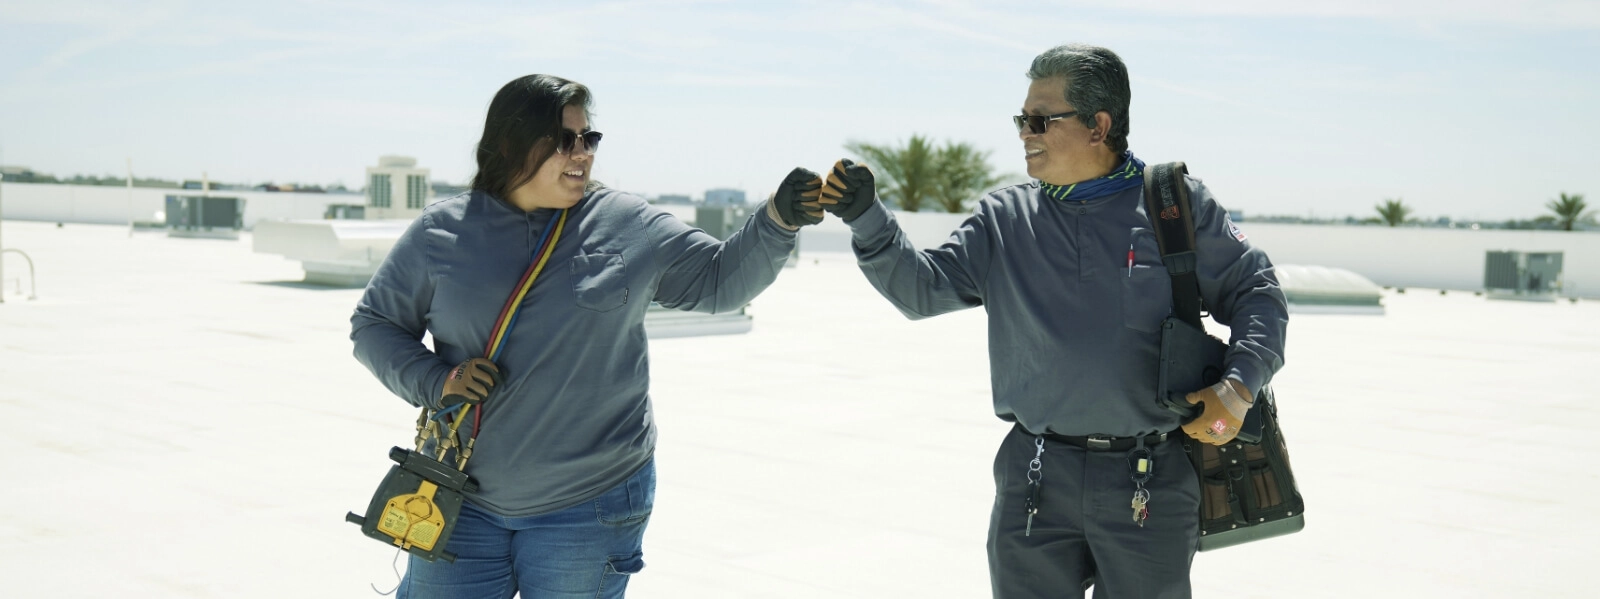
(396, 188)
(294, 187)
(17, 173)
(344, 212)
(674, 199)
(442, 189)
(23, 174)
(196, 184)
(724, 197)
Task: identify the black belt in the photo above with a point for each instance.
(1103, 442)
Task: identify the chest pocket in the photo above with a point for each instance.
(1146, 288)
(599, 281)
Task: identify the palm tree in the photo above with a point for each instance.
(918, 173)
(1393, 212)
(906, 174)
(1568, 208)
(963, 173)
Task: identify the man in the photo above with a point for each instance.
(1069, 271)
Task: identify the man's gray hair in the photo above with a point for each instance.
(1096, 81)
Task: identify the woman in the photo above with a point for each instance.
(563, 451)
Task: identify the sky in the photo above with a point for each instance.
(1469, 109)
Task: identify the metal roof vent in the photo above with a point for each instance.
(1327, 290)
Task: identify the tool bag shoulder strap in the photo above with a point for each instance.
(1247, 490)
(1166, 202)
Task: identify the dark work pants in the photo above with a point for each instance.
(1085, 529)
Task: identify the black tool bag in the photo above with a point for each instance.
(1247, 491)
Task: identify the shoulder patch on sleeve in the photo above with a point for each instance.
(1234, 229)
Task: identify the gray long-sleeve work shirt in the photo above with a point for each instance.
(572, 417)
(1074, 332)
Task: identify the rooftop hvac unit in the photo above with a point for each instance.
(719, 221)
(722, 221)
(345, 212)
(199, 216)
(1522, 275)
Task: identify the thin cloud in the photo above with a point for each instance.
(952, 15)
(927, 21)
(738, 80)
(112, 33)
(1551, 14)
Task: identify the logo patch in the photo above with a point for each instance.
(1169, 213)
(1220, 427)
(1234, 229)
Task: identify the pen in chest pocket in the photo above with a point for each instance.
(1130, 260)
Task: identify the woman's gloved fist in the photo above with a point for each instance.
(470, 382)
(795, 205)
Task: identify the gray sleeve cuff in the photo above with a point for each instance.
(1249, 374)
(869, 223)
(435, 387)
(772, 214)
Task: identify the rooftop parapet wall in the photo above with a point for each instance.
(105, 205)
(1389, 256)
(1429, 258)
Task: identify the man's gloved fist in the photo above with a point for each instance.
(1225, 404)
(795, 205)
(470, 383)
(850, 190)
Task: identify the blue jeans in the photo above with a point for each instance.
(587, 550)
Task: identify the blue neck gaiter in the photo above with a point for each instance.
(1127, 175)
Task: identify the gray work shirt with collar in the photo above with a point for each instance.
(1074, 333)
(572, 417)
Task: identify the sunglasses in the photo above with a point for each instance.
(1036, 124)
(591, 142)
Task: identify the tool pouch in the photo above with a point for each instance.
(416, 505)
(1247, 490)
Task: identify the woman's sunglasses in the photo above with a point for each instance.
(591, 142)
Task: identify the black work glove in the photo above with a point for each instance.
(795, 204)
(470, 382)
(850, 190)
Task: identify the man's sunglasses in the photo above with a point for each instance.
(1036, 124)
(591, 142)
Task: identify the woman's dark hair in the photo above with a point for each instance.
(521, 131)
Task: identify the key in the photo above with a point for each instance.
(1032, 505)
(1141, 498)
